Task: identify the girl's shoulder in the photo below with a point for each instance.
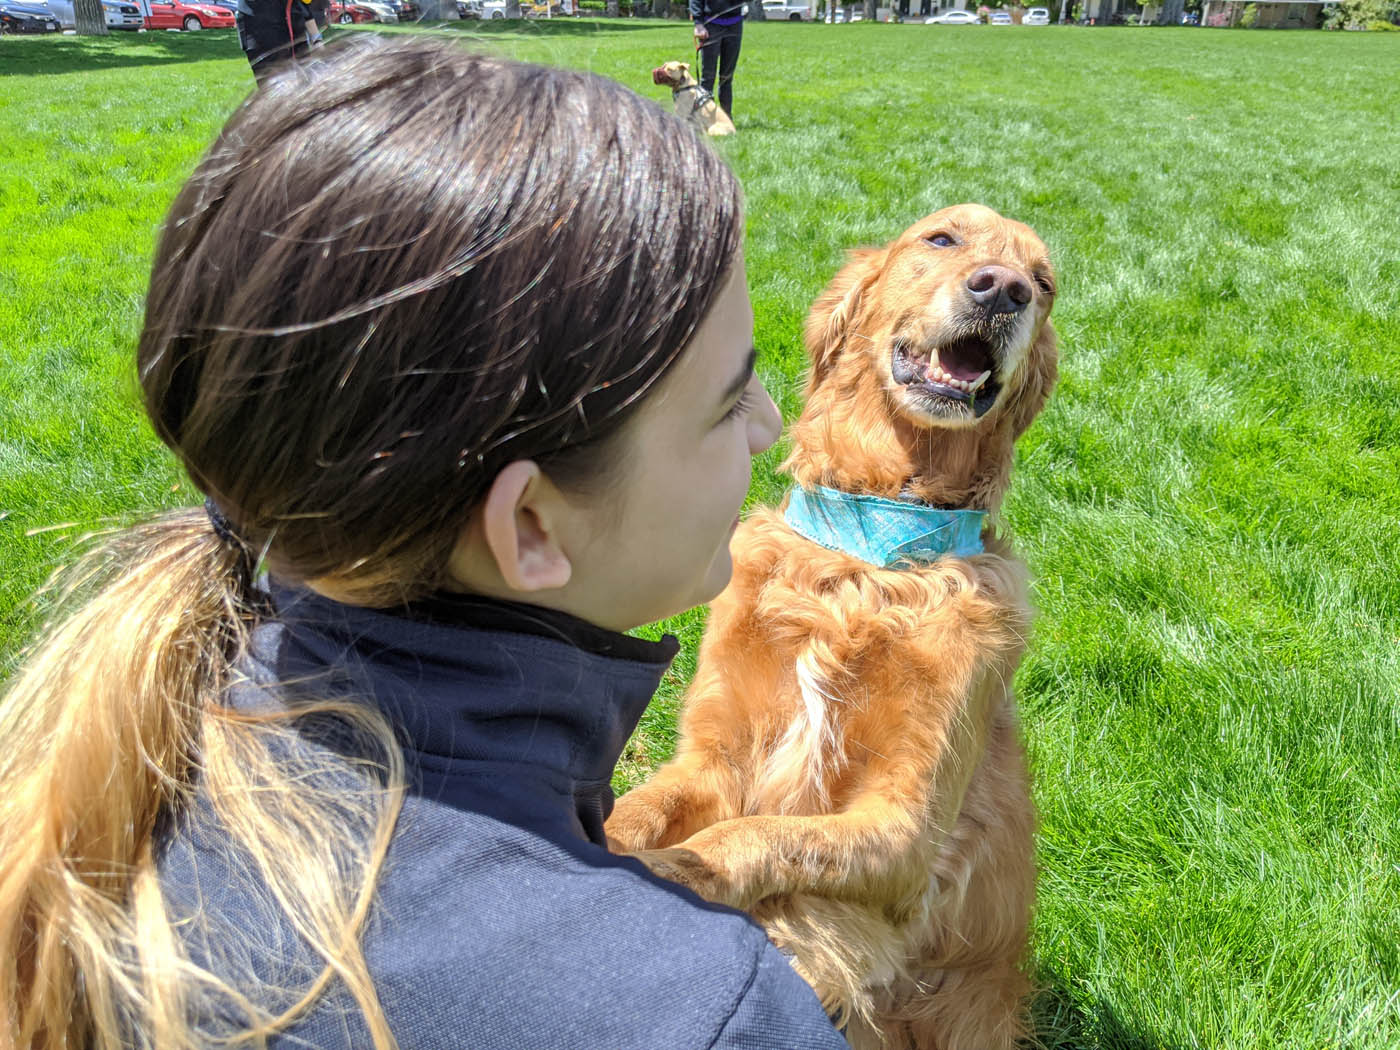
(487, 934)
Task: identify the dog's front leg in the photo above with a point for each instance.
(878, 848)
(683, 796)
(862, 853)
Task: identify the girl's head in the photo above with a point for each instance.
(418, 321)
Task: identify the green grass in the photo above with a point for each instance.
(1209, 505)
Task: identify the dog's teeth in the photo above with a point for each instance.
(976, 384)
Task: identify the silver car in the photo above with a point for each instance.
(120, 14)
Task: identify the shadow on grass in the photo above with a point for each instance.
(39, 55)
(563, 26)
(1062, 1020)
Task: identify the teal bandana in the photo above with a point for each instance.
(883, 531)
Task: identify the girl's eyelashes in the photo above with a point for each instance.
(742, 407)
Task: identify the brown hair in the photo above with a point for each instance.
(400, 267)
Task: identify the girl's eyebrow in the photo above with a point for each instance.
(737, 384)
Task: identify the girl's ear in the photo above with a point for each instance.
(838, 308)
(521, 532)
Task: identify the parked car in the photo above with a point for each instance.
(493, 8)
(1037, 16)
(787, 11)
(469, 8)
(27, 18)
(383, 11)
(999, 18)
(347, 11)
(953, 18)
(181, 14)
(120, 14)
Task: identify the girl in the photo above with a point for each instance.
(461, 352)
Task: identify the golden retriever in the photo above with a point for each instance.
(692, 102)
(850, 769)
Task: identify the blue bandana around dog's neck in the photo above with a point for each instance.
(883, 531)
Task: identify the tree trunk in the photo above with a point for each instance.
(512, 8)
(89, 17)
(660, 8)
(756, 12)
(1171, 13)
(614, 9)
(870, 10)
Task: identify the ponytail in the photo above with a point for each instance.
(111, 723)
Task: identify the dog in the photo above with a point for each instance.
(850, 769)
(692, 102)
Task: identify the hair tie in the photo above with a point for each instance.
(222, 527)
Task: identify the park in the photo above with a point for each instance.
(1209, 506)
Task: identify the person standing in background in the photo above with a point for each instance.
(272, 32)
(719, 30)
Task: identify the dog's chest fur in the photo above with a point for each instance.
(855, 659)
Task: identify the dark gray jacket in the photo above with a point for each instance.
(501, 920)
(718, 12)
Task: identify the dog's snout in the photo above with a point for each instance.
(1001, 290)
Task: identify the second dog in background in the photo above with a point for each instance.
(850, 768)
(692, 101)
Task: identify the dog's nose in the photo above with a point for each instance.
(1001, 290)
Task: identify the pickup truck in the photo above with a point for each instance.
(786, 11)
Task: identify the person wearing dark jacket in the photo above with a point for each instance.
(719, 31)
(275, 32)
(325, 763)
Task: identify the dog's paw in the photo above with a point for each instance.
(633, 827)
(692, 871)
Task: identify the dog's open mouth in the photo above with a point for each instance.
(962, 372)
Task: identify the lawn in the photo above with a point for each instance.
(1210, 505)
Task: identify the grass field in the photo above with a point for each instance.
(1210, 506)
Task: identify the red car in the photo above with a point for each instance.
(349, 12)
(177, 14)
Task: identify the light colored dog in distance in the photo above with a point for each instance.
(850, 769)
(692, 101)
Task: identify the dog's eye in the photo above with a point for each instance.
(941, 240)
(1045, 283)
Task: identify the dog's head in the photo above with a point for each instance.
(929, 357)
(672, 75)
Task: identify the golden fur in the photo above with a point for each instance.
(692, 102)
(850, 769)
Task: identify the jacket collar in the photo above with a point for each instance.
(469, 680)
(883, 532)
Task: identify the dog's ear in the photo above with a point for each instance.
(1042, 369)
(838, 308)
(685, 67)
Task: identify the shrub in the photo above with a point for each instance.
(1250, 16)
(1382, 26)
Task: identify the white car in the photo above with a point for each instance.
(786, 11)
(952, 18)
(382, 11)
(1037, 16)
(120, 14)
(999, 18)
